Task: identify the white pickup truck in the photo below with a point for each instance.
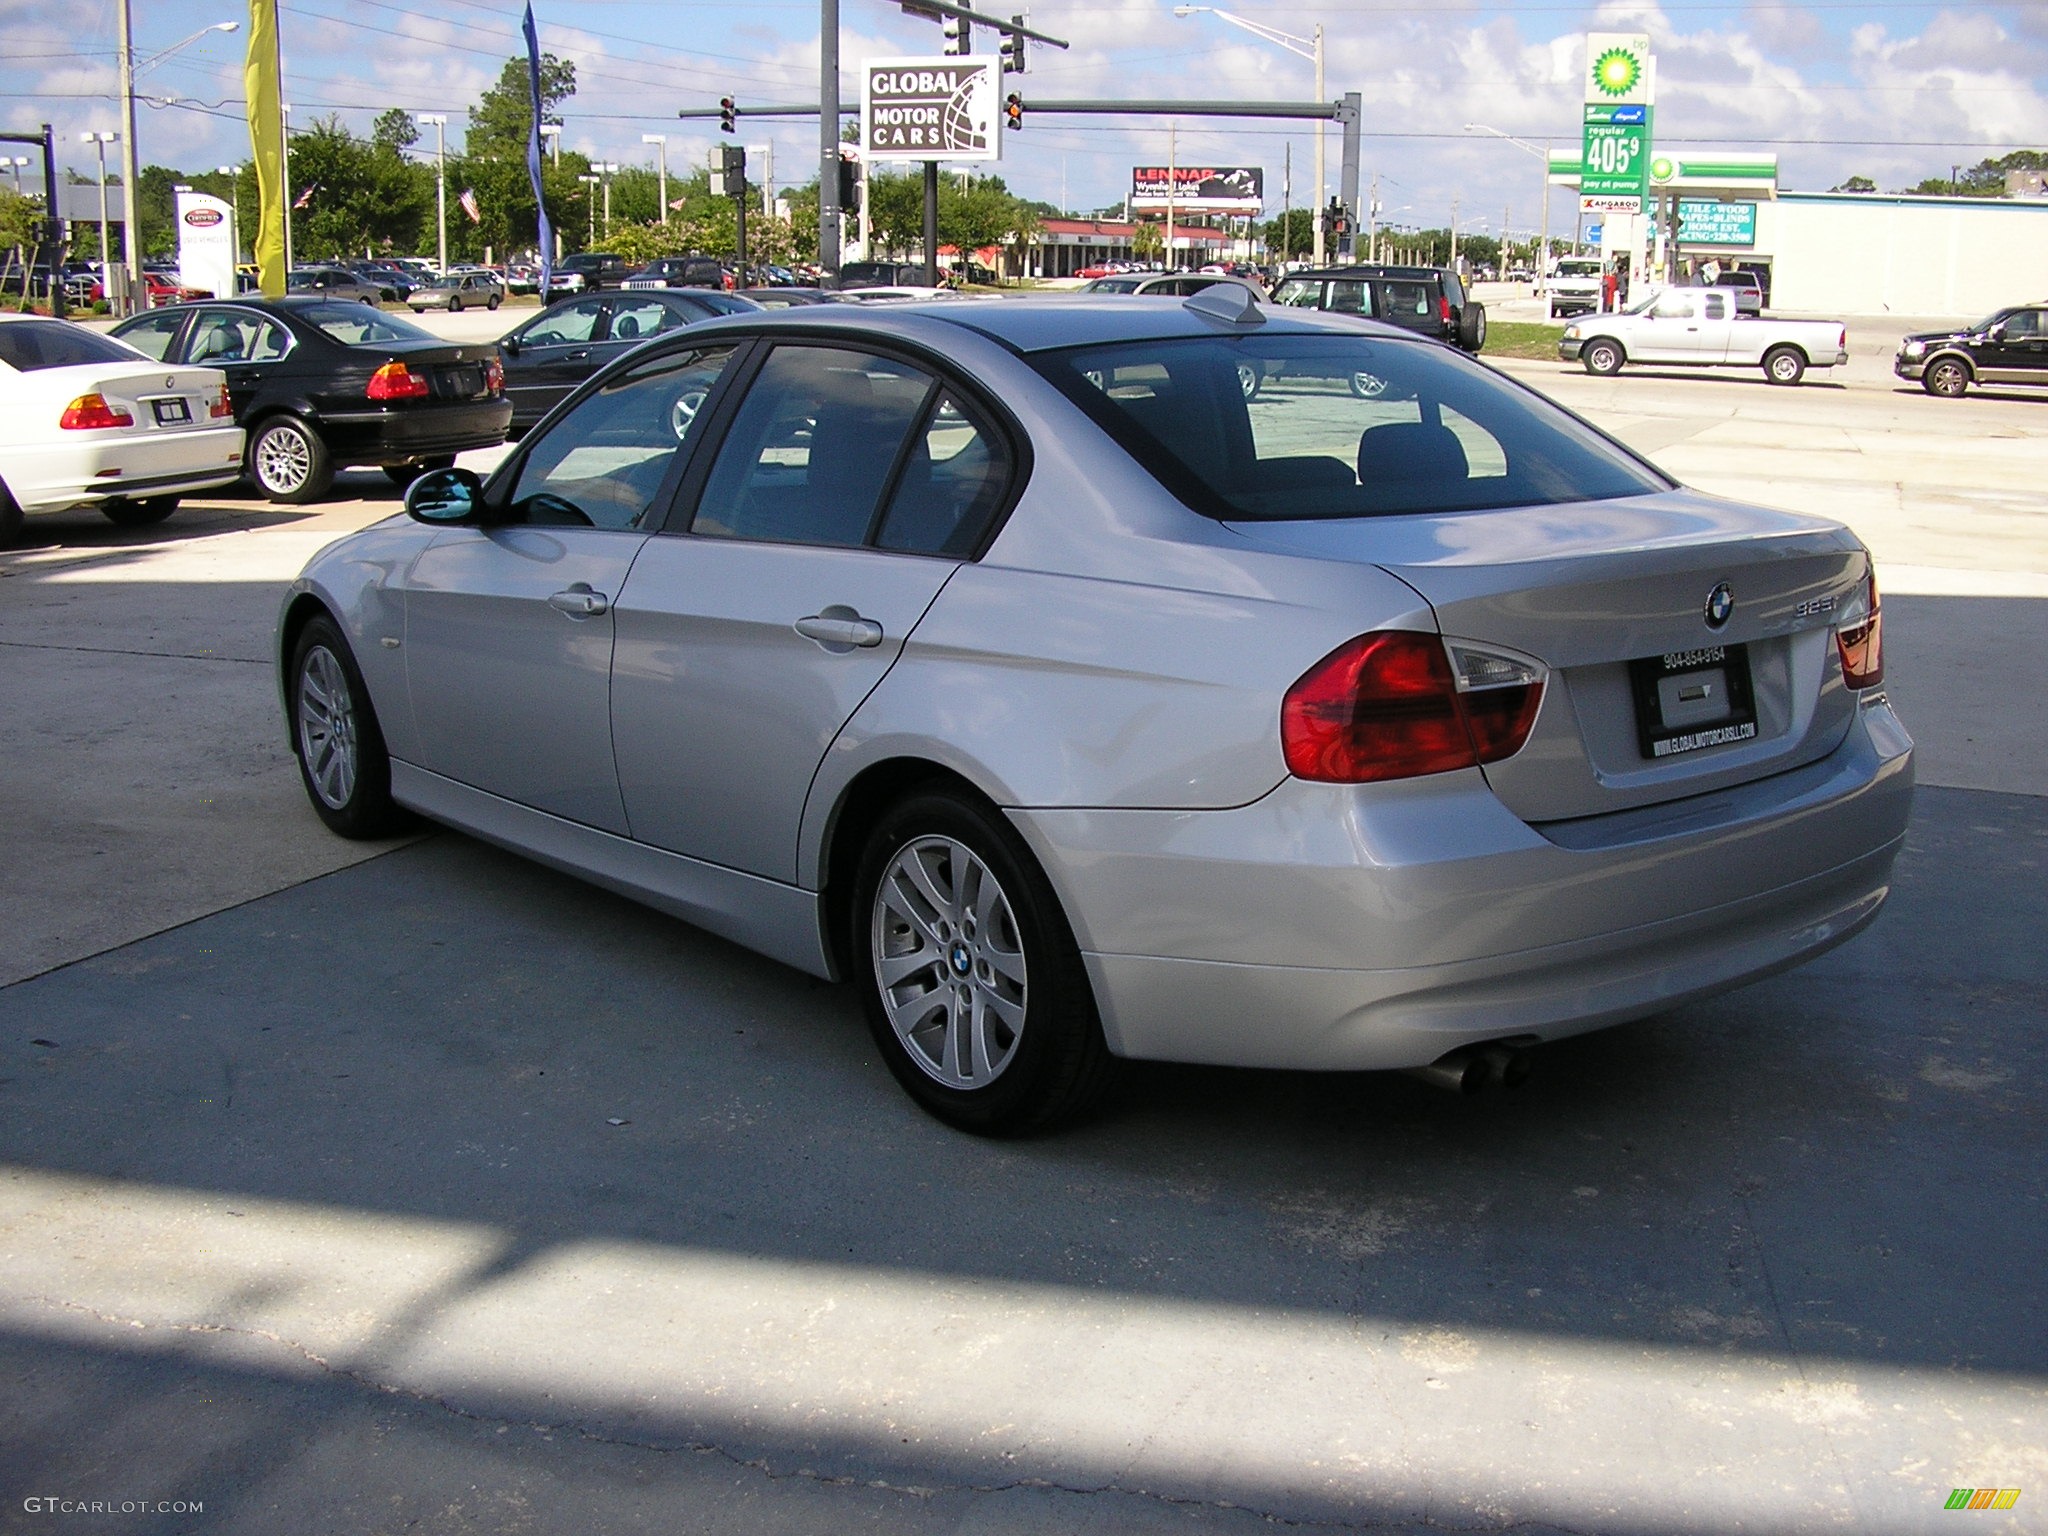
(1700, 328)
(1575, 286)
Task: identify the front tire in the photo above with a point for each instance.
(138, 514)
(1603, 356)
(969, 973)
(1947, 378)
(335, 736)
(1784, 365)
(288, 461)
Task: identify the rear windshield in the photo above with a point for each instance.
(26, 345)
(1288, 427)
(354, 324)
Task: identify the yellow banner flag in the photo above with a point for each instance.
(264, 93)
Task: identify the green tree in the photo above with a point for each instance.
(1148, 241)
(359, 198)
(394, 130)
(1290, 236)
(502, 119)
(1856, 184)
(156, 209)
(1984, 179)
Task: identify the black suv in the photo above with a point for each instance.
(1429, 300)
(2010, 347)
(680, 272)
(587, 272)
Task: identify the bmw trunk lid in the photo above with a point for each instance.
(1689, 641)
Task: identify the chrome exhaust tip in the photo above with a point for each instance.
(1472, 1069)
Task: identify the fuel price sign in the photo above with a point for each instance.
(1614, 165)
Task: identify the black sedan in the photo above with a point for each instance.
(571, 339)
(321, 384)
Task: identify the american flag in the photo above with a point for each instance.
(306, 196)
(468, 201)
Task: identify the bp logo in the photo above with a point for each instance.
(1617, 72)
(1661, 169)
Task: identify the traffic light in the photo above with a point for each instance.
(1013, 53)
(1013, 110)
(849, 184)
(729, 171)
(959, 35)
(728, 109)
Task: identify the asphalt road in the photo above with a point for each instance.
(415, 1188)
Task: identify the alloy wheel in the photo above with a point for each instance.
(949, 962)
(284, 460)
(327, 727)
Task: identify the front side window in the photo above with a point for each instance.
(1341, 426)
(2025, 325)
(1674, 306)
(564, 324)
(812, 447)
(604, 463)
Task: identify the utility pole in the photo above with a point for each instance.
(1172, 182)
(828, 142)
(284, 130)
(1287, 203)
(438, 121)
(1372, 221)
(100, 141)
(1454, 233)
(128, 171)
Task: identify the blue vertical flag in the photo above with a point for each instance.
(547, 232)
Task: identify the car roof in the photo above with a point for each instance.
(1046, 324)
(1370, 269)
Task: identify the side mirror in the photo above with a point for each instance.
(509, 346)
(1996, 333)
(445, 496)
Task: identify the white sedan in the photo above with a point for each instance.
(88, 421)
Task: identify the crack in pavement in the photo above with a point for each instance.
(116, 650)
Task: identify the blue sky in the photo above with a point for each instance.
(1892, 91)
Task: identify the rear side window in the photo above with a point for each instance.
(1299, 427)
(810, 451)
(953, 482)
(28, 345)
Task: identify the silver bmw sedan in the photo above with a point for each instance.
(1092, 679)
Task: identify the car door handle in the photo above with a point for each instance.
(839, 628)
(579, 602)
(578, 355)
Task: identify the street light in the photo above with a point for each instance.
(100, 141)
(1307, 48)
(662, 140)
(552, 133)
(438, 121)
(606, 169)
(1543, 154)
(129, 70)
(592, 182)
(17, 161)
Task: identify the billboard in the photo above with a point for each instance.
(1199, 189)
(931, 109)
(206, 244)
(1703, 221)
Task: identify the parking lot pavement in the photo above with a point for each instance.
(446, 1192)
(312, 1206)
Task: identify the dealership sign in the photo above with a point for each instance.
(1703, 221)
(206, 245)
(1199, 189)
(931, 109)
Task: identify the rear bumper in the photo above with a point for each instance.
(395, 436)
(51, 477)
(1328, 927)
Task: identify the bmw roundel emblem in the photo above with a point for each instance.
(1720, 605)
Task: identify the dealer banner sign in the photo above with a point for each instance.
(931, 109)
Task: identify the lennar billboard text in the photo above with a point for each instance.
(931, 109)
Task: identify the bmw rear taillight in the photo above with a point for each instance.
(1861, 641)
(222, 406)
(494, 377)
(1397, 703)
(90, 411)
(395, 381)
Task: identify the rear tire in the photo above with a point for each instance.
(454, 306)
(1603, 356)
(969, 973)
(1946, 377)
(11, 519)
(138, 514)
(336, 739)
(1784, 365)
(493, 302)
(288, 461)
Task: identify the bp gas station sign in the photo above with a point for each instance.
(1614, 159)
